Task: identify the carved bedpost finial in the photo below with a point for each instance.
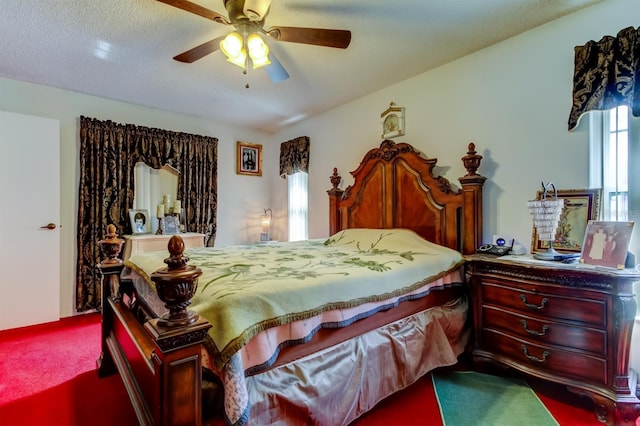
(110, 246)
(177, 259)
(472, 160)
(176, 284)
(335, 178)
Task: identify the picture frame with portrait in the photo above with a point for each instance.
(606, 243)
(392, 121)
(581, 206)
(249, 159)
(171, 224)
(140, 221)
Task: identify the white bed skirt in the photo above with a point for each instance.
(340, 383)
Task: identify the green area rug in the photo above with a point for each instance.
(468, 398)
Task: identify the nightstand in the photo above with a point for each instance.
(134, 244)
(569, 324)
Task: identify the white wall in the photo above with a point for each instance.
(240, 198)
(512, 99)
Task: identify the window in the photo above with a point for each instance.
(298, 184)
(614, 151)
(610, 161)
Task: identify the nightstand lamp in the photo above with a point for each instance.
(546, 215)
(265, 222)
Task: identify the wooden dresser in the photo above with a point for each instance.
(570, 324)
(134, 244)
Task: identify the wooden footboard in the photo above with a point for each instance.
(159, 359)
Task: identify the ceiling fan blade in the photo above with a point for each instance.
(198, 10)
(315, 36)
(199, 52)
(275, 70)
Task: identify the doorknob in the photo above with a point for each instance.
(49, 226)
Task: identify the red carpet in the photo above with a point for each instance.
(48, 377)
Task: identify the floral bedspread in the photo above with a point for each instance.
(246, 289)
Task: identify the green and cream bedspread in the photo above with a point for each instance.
(246, 289)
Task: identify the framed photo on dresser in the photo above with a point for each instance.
(607, 243)
(139, 219)
(171, 224)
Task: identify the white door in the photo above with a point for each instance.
(29, 202)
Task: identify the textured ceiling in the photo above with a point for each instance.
(123, 49)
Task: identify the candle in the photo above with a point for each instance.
(177, 207)
(160, 210)
(166, 198)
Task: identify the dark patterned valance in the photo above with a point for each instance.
(607, 75)
(108, 155)
(294, 156)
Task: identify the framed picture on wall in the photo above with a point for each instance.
(580, 206)
(139, 219)
(249, 159)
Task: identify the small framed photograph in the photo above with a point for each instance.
(607, 243)
(249, 159)
(171, 225)
(392, 122)
(139, 219)
(580, 206)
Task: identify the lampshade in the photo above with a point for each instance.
(546, 216)
(258, 51)
(232, 48)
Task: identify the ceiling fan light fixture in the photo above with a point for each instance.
(232, 48)
(231, 45)
(258, 51)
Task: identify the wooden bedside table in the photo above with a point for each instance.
(567, 323)
(134, 244)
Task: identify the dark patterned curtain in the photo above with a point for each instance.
(294, 156)
(108, 155)
(607, 75)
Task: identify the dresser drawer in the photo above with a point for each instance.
(574, 365)
(528, 301)
(545, 331)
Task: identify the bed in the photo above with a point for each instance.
(355, 317)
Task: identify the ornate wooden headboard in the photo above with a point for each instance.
(395, 188)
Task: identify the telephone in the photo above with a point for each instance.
(499, 249)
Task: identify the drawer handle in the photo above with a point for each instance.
(545, 354)
(545, 329)
(531, 305)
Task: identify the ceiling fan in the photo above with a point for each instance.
(247, 17)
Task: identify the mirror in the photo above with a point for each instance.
(150, 185)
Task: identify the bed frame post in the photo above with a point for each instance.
(158, 359)
(335, 194)
(472, 204)
(110, 269)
